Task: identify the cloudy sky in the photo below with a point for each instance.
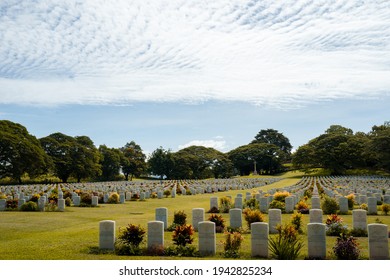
(191, 72)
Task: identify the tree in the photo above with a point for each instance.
(337, 150)
(161, 163)
(268, 158)
(20, 152)
(72, 156)
(110, 161)
(132, 160)
(378, 149)
(272, 136)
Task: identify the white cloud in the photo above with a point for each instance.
(217, 143)
(262, 52)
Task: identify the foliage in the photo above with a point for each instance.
(11, 204)
(219, 222)
(335, 226)
(364, 206)
(358, 232)
(272, 136)
(276, 204)
(297, 222)
(35, 197)
(346, 248)
(113, 198)
(253, 216)
(351, 201)
(385, 208)
(281, 196)
(68, 201)
(232, 244)
(29, 206)
(86, 198)
(213, 210)
(167, 193)
(132, 160)
(110, 161)
(72, 156)
(251, 203)
(329, 206)
(182, 251)
(268, 158)
(183, 235)
(179, 218)
(132, 235)
(161, 163)
(20, 152)
(225, 204)
(51, 206)
(285, 245)
(302, 207)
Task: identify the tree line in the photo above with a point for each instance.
(65, 157)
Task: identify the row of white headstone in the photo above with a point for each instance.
(316, 233)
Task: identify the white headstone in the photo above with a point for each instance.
(316, 240)
(275, 218)
(61, 205)
(155, 234)
(378, 242)
(259, 239)
(315, 216)
(207, 238)
(372, 208)
(235, 215)
(359, 219)
(162, 215)
(107, 235)
(197, 217)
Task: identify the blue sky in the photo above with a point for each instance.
(176, 73)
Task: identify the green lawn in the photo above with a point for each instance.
(70, 235)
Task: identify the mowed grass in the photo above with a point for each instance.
(74, 234)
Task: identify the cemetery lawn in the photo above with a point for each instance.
(74, 234)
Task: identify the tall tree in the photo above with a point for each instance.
(161, 163)
(272, 136)
(20, 152)
(110, 161)
(72, 156)
(133, 160)
(267, 157)
(378, 150)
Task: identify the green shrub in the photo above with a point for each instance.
(232, 244)
(281, 196)
(51, 206)
(213, 210)
(296, 222)
(358, 232)
(2, 196)
(113, 198)
(335, 226)
(167, 193)
(129, 240)
(351, 201)
(364, 206)
(35, 197)
(183, 235)
(251, 203)
(219, 222)
(12, 204)
(225, 204)
(346, 248)
(385, 208)
(68, 201)
(132, 235)
(179, 218)
(285, 245)
(329, 206)
(276, 204)
(86, 198)
(29, 206)
(253, 216)
(182, 251)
